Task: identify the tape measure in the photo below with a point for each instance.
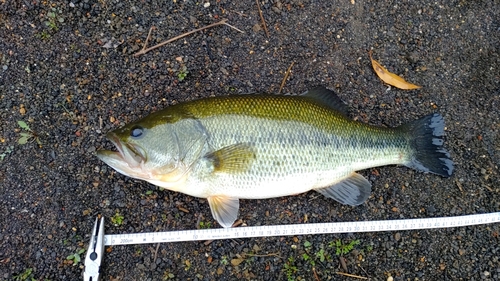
(299, 229)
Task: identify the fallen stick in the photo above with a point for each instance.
(145, 50)
(262, 19)
(351, 275)
(287, 73)
(315, 274)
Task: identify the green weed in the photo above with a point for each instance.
(25, 276)
(224, 260)
(117, 219)
(167, 275)
(53, 18)
(44, 35)
(7, 151)
(290, 269)
(183, 72)
(205, 225)
(321, 255)
(76, 257)
(341, 248)
(27, 134)
(308, 258)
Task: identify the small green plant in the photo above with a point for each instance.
(167, 275)
(183, 72)
(149, 192)
(53, 18)
(138, 252)
(7, 151)
(44, 35)
(25, 276)
(224, 260)
(290, 269)
(308, 258)
(117, 219)
(341, 248)
(76, 257)
(369, 248)
(321, 255)
(27, 134)
(205, 225)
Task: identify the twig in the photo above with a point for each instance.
(156, 252)
(364, 271)
(315, 274)
(287, 73)
(268, 255)
(239, 13)
(262, 19)
(145, 50)
(147, 38)
(351, 275)
(459, 186)
(237, 29)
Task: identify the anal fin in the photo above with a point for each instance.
(353, 190)
(224, 209)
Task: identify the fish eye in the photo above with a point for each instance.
(136, 132)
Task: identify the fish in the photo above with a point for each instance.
(258, 146)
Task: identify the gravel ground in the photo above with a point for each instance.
(67, 69)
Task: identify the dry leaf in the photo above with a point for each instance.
(237, 261)
(391, 78)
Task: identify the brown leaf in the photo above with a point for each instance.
(237, 261)
(391, 78)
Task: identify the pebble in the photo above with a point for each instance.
(397, 236)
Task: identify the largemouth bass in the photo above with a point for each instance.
(261, 146)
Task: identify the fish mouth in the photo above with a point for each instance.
(128, 160)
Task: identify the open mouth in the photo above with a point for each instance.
(127, 157)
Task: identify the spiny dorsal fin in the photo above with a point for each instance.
(328, 98)
(235, 158)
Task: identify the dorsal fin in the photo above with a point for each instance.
(328, 98)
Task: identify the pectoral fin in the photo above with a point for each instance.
(224, 209)
(235, 158)
(353, 190)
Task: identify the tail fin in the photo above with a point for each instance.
(426, 141)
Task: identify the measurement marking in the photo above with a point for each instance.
(299, 229)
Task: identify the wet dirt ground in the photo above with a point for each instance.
(68, 70)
